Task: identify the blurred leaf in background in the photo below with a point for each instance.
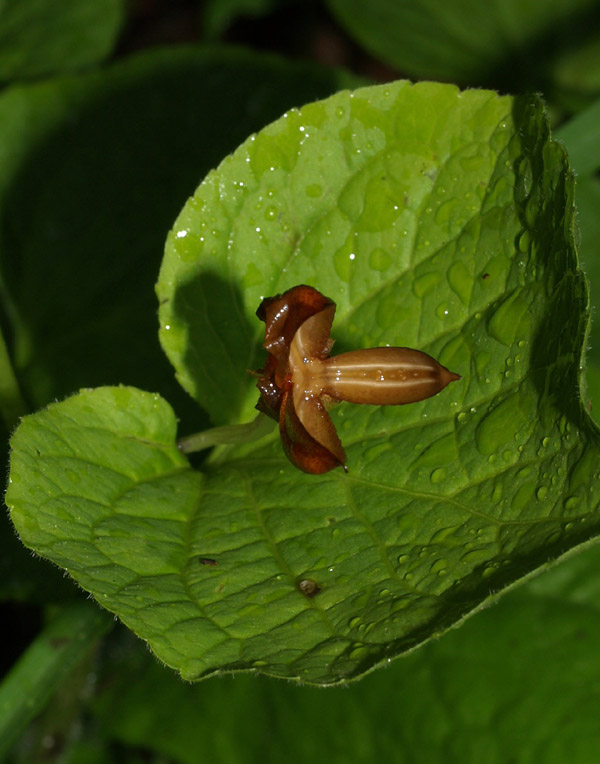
(506, 44)
(219, 14)
(581, 136)
(42, 37)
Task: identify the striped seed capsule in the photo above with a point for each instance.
(300, 381)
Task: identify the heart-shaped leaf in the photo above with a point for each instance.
(434, 218)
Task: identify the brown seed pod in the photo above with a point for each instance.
(300, 379)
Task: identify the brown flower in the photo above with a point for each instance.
(301, 381)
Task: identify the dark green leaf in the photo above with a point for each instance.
(465, 40)
(41, 37)
(219, 14)
(12, 405)
(25, 578)
(581, 136)
(588, 204)
(45, 664)
(576, 70)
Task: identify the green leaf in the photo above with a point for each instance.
(94, 169)
(465, 40)
(459, 699)
(576, 70)
(581, 136)
(11, 401)
(24, 578)
(40, 37)
(588, 203)
(43, 667)
(219, 14)
(435, 218)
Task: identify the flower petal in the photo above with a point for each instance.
(309, 439)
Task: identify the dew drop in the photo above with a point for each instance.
(488, 571)
(523, 242)
(572, 502)
(314, 190)
(379, 259)
(482, 360)
(438, 475)
(439, 566)
(442, 310)
(461, 281)
(446, 212)
(343, 264)
(359, 653)
(424, 284)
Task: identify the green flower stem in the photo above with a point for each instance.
(232, 434)
(44, 665)
(12, 405)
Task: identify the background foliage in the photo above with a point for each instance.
(100, 147)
